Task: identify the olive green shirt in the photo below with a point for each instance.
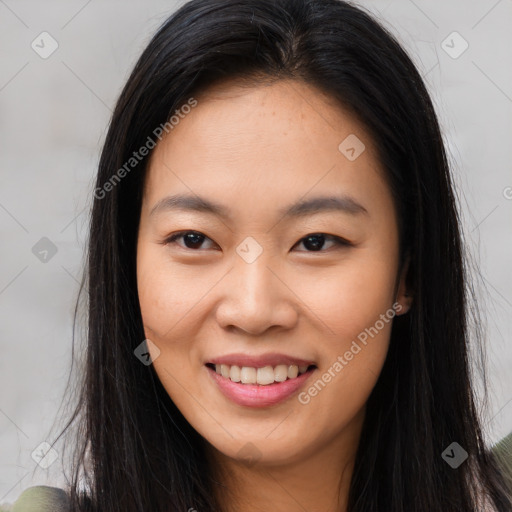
(41, 498)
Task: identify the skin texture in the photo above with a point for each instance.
(257, 149)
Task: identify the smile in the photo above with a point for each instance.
(262, 376)
(259, 387)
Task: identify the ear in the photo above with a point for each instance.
(404, 294)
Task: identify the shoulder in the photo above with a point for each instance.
(503, 452)
(41, 498)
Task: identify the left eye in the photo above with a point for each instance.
(315, 241)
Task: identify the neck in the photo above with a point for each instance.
(320, 480)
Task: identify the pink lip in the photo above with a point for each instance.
(256, 395)
(271, 359)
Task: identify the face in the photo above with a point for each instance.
(274, 269)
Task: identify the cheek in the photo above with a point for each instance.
(353, 297)
(357, 309)
(355, 305)
(167, 293)
(169, 299)
(162, 303)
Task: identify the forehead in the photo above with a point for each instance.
(264, 145)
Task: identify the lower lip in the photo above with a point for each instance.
(256, 395)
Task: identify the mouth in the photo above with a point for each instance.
(259, 387)
(263, 376)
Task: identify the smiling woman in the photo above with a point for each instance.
(278, 307)
(323, 269)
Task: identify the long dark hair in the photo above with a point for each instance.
(135, 450)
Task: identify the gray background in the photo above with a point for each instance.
(53, 118)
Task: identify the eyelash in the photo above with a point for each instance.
(340, 242)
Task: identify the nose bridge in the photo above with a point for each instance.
(255, 282)
(255, 298)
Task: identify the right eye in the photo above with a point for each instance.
(191, 239)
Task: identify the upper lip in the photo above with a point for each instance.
(271, 359)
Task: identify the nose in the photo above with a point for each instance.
(255, 298)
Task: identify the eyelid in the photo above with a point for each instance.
(172, 238)
(339, 241)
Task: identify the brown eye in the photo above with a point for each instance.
(191, 239)
(316, 241)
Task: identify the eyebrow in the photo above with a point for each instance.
(301, 208)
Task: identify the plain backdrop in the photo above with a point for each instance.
(53, 117)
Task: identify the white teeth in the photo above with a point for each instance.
(280, 373)
(248, 375)
(224, 370)
(263, 376)
(293, 371)
(234, 374)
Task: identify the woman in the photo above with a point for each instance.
(278, 307)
